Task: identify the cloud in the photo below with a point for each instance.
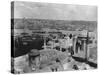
(54, 11)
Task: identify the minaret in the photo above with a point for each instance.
(87, 52)
(46, 30)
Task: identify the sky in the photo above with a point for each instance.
(36, 10)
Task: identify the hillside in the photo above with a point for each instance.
(54, 24)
